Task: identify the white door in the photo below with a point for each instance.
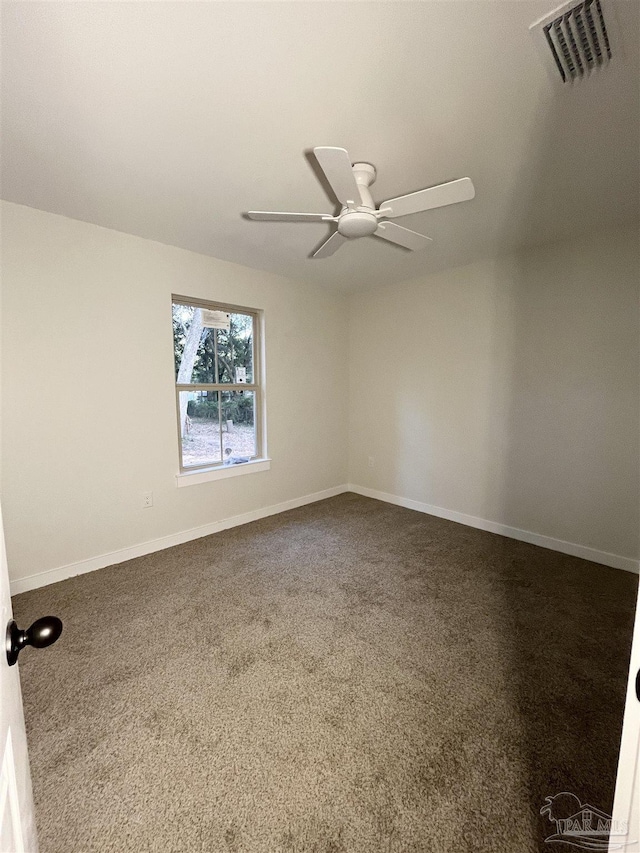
(625, 835)
(18, 829)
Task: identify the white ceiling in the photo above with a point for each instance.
(168, 120)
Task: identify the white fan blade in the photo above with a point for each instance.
(336, 165)
(330, 246)
(402, 236)
(440, 196)
(267, 215)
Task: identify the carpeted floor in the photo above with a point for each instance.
(348, 677)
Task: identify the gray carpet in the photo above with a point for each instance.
(348, 677)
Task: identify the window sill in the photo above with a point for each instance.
(221, 472)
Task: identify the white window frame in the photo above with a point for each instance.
(194, 474)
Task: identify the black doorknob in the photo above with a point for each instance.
(44, 632)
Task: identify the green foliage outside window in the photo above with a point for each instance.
(234, 347)
(239, 408)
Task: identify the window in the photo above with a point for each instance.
(218, 391)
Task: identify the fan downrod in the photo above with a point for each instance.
(361, 222)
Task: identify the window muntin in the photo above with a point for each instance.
(217, 393)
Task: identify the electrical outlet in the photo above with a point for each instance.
(147, 499)
(372, 462)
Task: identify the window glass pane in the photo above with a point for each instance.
(200, 428)
(238, 426)
(193, 346)
(235, 350)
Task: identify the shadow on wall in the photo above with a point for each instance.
(543, 432)
(568, 422)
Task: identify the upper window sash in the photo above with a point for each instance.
(211, 356)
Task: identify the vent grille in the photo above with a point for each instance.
(578, 40)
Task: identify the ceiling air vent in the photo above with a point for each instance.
(577, 37)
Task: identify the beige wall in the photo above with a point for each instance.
(508, 390)
(89, 417)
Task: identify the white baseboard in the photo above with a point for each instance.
(595, 556)
(123, 554)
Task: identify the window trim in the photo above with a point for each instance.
(195, 476)
(257, 387)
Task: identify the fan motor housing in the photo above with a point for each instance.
(357, 223)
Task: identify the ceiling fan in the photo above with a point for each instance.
(359, 216)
